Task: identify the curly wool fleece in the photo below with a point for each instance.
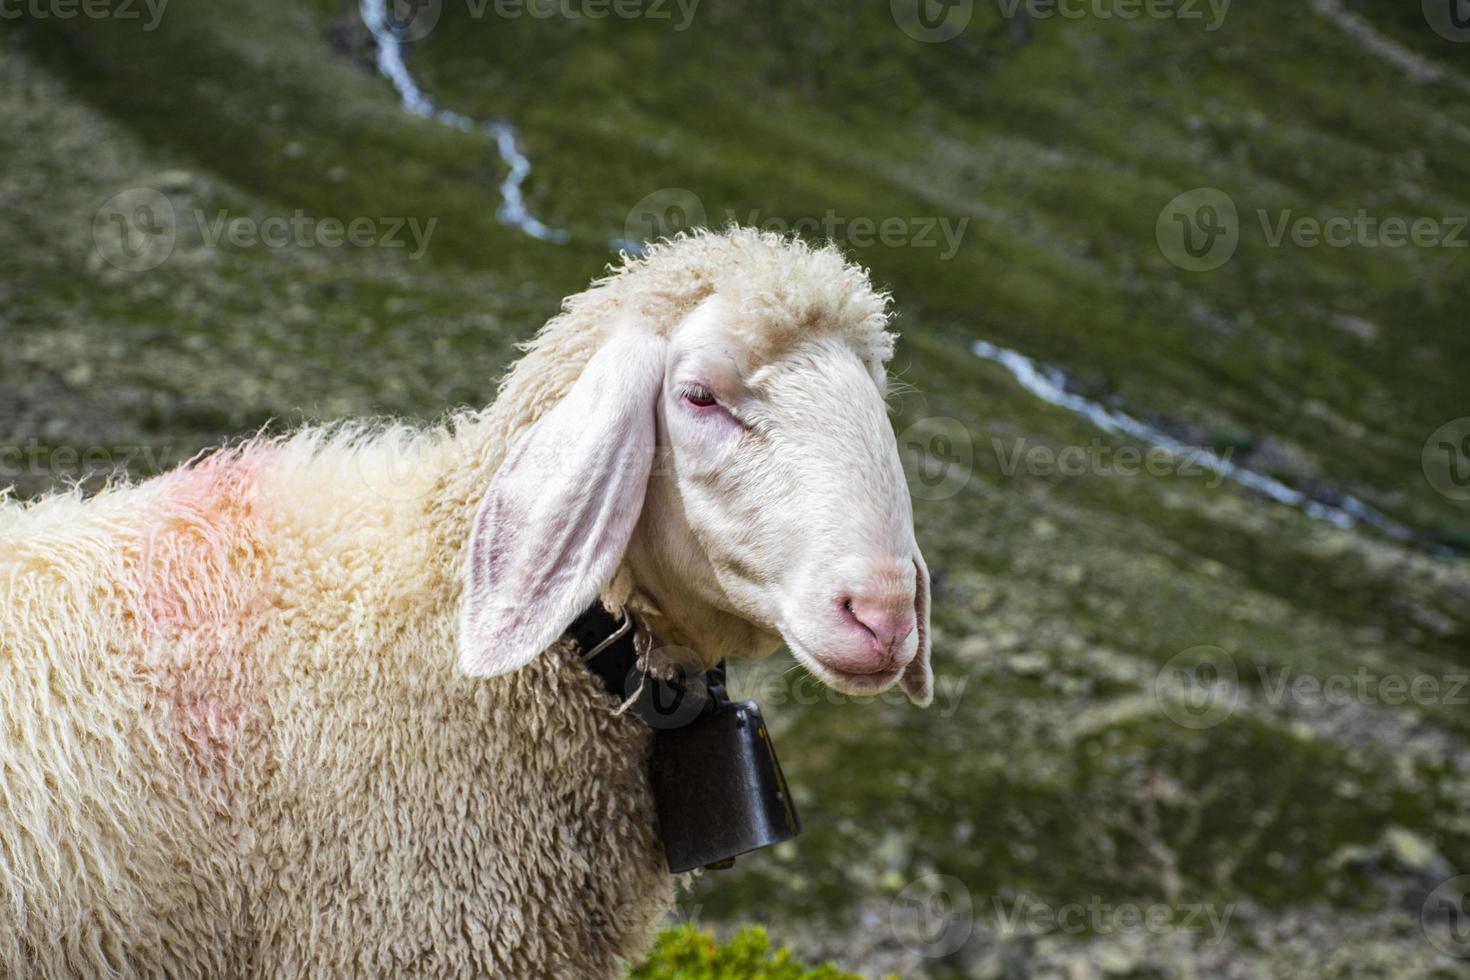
(236, 741)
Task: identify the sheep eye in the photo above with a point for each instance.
(699, 396)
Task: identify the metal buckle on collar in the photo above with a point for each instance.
(621, 631)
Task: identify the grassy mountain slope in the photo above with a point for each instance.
(1049, 767)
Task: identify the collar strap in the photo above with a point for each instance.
(608, 647)
(610, 652)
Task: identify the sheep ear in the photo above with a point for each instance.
(918, 676)
(559, 512)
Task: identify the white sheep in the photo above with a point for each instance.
(236, 741)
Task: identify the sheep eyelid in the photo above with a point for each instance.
(698, 394)
(694, 394)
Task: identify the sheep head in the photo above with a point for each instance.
(731, 454)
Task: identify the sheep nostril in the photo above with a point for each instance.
(887, 619)
(852, 618)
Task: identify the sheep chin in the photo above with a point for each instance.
(844, 682)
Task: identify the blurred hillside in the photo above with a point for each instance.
(1078, 752)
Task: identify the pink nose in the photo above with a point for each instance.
(887, 618)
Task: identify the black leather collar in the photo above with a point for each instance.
(619, 658)
(660, 703)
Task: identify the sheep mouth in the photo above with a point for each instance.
(856, 683)
(850, 682)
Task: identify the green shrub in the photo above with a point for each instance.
(686, 953)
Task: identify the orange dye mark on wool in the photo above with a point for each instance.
(201, 577)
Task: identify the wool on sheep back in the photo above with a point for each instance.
(237, 745)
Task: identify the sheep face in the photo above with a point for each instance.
(779, 509)
(753, 493)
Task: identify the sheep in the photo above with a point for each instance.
(304, 707)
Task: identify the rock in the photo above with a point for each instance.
(1414, 852)
(1210, 568)
(1070, 574)
(988, 966)
(1352, 855)
(1027, 664)
(1355, 325)
(1080, 968)
(891, 881)
(1116, 959)
(1005, 639)
(175, 181)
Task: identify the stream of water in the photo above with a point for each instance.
(1046, 383)
(513, 210)
(1050, 385)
